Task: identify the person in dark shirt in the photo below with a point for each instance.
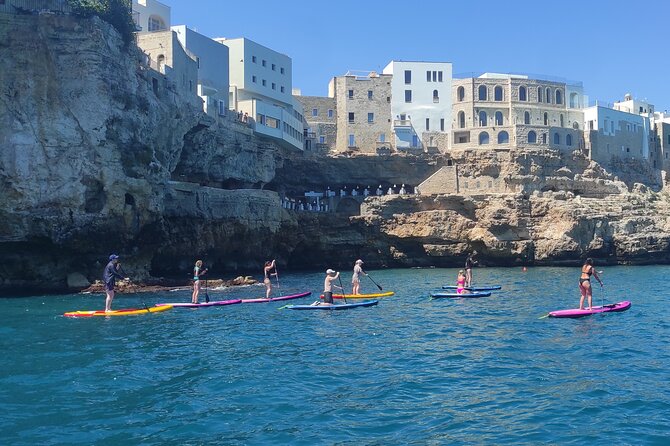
(469, 263)
(109, 277)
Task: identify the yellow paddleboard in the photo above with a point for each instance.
(363, 296)
(126, 312)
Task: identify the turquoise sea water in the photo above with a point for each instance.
(408, 371)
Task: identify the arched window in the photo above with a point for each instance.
(562, 121)
(557, 139)
(575, 125)
(539, 94)
(544, 138)
(574, 100)
(498, 93)
(559, 97)
(482, 93)
(503, 138)
(483, 119)
(548, 95)
(156, 23)
(546, 118)
(461, 120)
(532, 137)
(483, 138)
(498, 118)
(568, 140)
(160, 60)
(522, 93)
(436, 96)
(460, 93)
(526, 117)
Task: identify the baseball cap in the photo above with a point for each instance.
(330, 271)
(113, 257)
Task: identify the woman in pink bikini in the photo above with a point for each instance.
(460, 283)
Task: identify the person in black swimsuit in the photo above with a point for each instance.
(585, 282)
(469, 263)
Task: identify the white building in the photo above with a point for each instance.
(261, 86)
(421, 103)
(151, 15)
(212, 60)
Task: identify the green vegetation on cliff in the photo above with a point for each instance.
(116, 12)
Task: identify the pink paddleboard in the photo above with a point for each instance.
(576, 312)
(274, 299)
(217, 303)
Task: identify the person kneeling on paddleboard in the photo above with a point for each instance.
(460, 283)
(328, 285)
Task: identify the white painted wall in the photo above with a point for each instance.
(422, 106)
(610, 122)
(149, 8)
(212, 58)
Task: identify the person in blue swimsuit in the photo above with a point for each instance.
(109, 276)
(585, 282)
(197, 272)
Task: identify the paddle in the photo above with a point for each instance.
(341, 286)
(276, 274)
(373, 281)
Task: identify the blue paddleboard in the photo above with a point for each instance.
(459, 296)
(321, 306)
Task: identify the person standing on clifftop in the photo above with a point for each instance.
(269, 266)
(356, 278)
(197, 272)
(109, 277)
(470, 262)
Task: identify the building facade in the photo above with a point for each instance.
(421, 104)
(151, 15)
(212, 61)
(504, 111)
(321, 118)
(261, 86)
(363, 113)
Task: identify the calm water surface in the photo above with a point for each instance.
(409, 371)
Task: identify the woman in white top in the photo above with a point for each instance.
(355, 279)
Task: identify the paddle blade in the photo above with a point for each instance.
(542, 317)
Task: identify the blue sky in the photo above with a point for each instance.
(614, 47)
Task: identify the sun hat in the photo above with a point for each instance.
(359, 262)
(330, 271)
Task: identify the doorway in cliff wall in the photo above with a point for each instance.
(348, 206)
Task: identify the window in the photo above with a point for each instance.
(371, 117)
(281, 89)
(436, 96)
(382, 137)
(260, 119)
(253, 59)
(544, 138)
(351, 117)
(559, 97)
(330, 113)
(264, 62)
(408, 77)
(439, 76)
(498, 118)
(274, 67)
(546, 118)
(281, 70)
(561, 119)
(427, 124)
(568, 140)
(369, 94)
(532, 137)
(526, 118)
(428, 76)
(352, 141)
(408, 95)
(612, 127)
(442, 124)
(351, 94)
(460, 93)
(322, 139)
(539, 94)
(461, 120)
(434, 76)
(483, 119)
(315, 112)
(523, 95)
(222, 108)
(482, 92)
(548, 95)
(272, 122)
(498, 93)
(483, 138)
(156, 23)
(503, 138)
(557, 139)
(253, 79)
(274, 86)
(415, 141)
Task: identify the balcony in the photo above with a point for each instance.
(402, 123)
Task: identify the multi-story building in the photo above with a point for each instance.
(623, 131)
(261, 87)
(421, 104)
(151, 16)
(502, 110)
(212, 60)
(363, 112)
(321, 118)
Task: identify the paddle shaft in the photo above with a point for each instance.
(134, 287)
(343, 292)
(373, 281)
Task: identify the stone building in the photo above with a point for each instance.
(321, 117)
(363, 117)
(663, 143)
(151, 15)
(503, 111)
